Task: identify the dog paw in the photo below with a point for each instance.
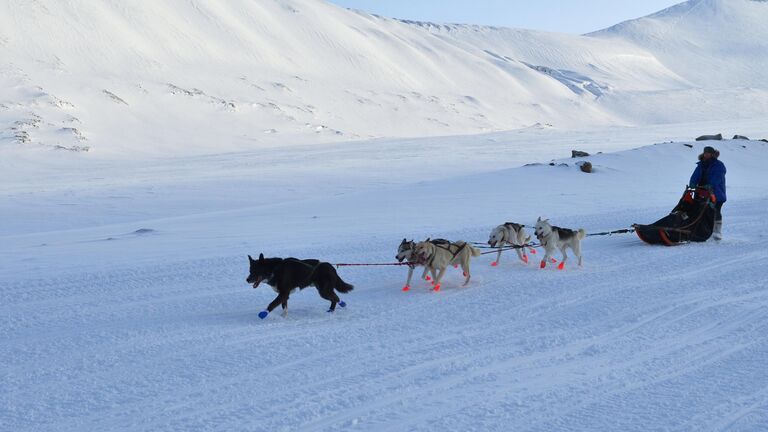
(428, 278)
(525, 259)
(494, 264)
(553, 260)
(406, 288)
(263, 314)
(533, 251)
(543, 264)
(455, 266)
(436, 288)
(561, 266)
(342, 303)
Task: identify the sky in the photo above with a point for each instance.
(565, 16)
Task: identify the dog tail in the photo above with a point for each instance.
(475, 251)
(582, 233)
(342, 286)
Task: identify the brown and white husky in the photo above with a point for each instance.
(437, 257)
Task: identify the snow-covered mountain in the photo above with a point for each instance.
(712, 43)
(123, 301)
(201, 76)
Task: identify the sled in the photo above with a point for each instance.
(692, 220)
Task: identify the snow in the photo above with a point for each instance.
(146, 151)
(125, 304)
(714, 43)
(204, 77)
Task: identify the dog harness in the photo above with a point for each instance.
(448, 248)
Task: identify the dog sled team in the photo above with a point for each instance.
(706, 187)
(286, 275)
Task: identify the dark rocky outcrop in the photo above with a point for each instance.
(585, 166)
(717, 137)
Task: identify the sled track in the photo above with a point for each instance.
(179, 346)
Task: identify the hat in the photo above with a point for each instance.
(711, 151)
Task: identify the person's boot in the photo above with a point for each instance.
(718, 231)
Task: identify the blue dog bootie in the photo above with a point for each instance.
(263, 314)
(342, 303)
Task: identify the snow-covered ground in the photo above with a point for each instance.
(146, 150)
(124, 303)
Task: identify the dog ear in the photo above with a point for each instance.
(250, 259)
(261, 257)
(539, 219)
(403, 241)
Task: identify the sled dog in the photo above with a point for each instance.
(552, 237)
(509, 234)
(407, 252)
(436, 256)
(285, 275)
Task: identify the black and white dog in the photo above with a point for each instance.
(285, 275)
(553, 237)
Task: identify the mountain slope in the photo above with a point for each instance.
(713, 43)
(197, 76)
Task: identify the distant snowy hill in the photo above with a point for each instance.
(199, 76)
(712, 43)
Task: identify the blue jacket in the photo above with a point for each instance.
(711, 172)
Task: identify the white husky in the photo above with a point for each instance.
(436, 256)
(510, 234)
(552, 237)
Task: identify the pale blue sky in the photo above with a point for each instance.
(566, 16)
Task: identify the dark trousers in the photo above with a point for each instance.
(718, 212)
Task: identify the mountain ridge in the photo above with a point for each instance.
(204, 77)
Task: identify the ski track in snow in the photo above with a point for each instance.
(668, 337)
